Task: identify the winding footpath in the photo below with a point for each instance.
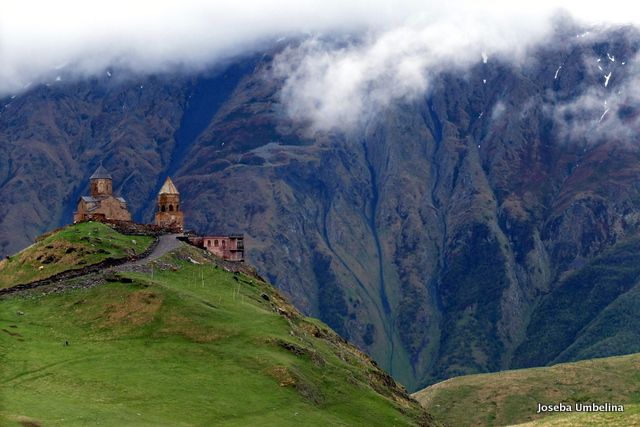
(163, 245)
(166, 243)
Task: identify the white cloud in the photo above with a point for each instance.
(401, 44)
(601, 112)
(343, 87)
(339, 86)
(37, 37)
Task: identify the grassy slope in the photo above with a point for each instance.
(75, 246)
(630, 418)
(194, 346)
(511, 397)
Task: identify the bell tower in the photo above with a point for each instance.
(168, 213)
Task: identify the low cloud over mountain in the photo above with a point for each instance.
(387, 49)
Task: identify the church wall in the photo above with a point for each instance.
(110, 208)
(101, 187)
(170, 219)
(80, 213)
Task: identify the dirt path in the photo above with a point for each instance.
(166, 243)
(93, 275)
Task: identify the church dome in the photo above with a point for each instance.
(101, 173)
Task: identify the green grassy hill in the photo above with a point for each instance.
(630, 418)
(511, 397)
(72, 247)
(184, 343)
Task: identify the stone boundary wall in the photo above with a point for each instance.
(135, 229)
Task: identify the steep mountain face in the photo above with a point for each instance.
(469, 230)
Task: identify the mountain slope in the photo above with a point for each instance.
(589, 313)
(512, 397)
(431, 238)
(182, 341)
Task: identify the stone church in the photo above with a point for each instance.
(101, 204)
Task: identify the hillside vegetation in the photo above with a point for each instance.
(630, 418)
(72, 247)
(184, 343)
(512, 397)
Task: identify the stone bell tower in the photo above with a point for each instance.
(168, 213)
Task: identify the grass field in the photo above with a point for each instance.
(630, 418)
(511, 397)
(186, 345)
(73, 247)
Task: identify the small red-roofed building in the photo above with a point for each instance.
(228, 247)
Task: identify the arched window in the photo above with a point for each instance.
(224, 243)
(209, 243)
(170, 208)
(215, 243)
(162, 209)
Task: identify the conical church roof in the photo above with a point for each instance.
(101, 173)
(168, 187)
